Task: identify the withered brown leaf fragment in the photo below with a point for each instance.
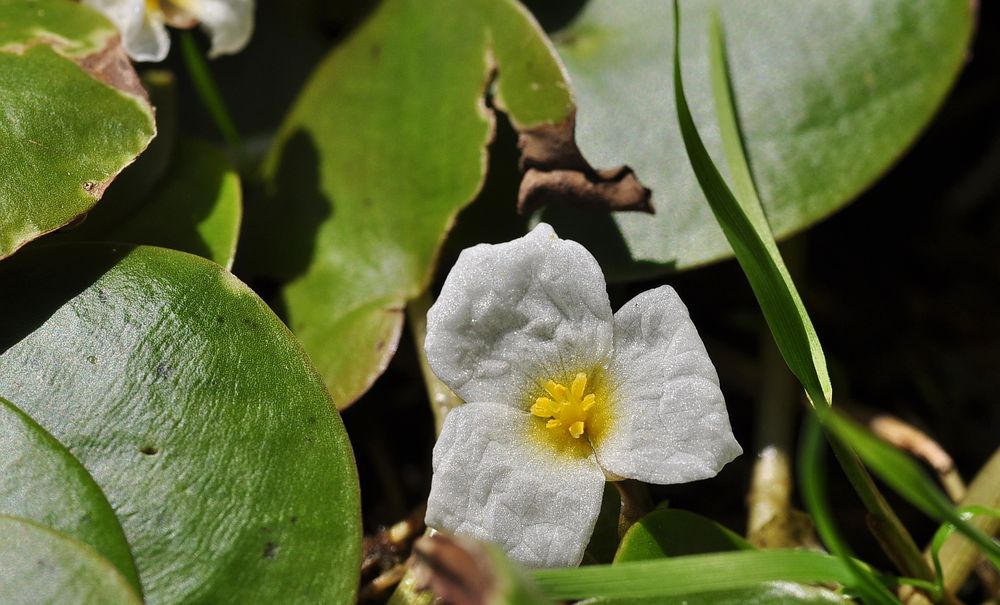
(457, 571)
(556, 173)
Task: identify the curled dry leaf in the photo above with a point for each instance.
(556, 173)
(456, 570)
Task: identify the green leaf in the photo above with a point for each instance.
(812, 482)
(39, 566)
(41, 481)
(74, 115)
(196, 412)
(693, 574)
(196, 207)
(669, 532)
(385, 145)
(909, 480)
(829, 95)
(754, 246)
(760, 594)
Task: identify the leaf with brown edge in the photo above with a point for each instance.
(386, 144)
(75, 114)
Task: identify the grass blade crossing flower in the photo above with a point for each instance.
(562, 395)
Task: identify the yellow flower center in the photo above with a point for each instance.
(568, 409)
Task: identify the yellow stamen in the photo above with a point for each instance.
(568, 408)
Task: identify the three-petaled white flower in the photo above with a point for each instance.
(561, 395)
(142, 23)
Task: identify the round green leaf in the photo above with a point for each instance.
(829, 95)
(670, 532)
(385, 145)
(74, 114)
(39, 566)
(41, 481)
(196, 412)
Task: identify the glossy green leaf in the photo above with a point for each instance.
(693, 574)
(41, 481)
(669, 532)
(761, 594)
(74, 114)
(830, 94)
(381, 150)
(196, 412)
(39, 566)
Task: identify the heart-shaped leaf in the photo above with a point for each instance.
(41, 481)
(39, 566)
(196, 412)
(384, 146)
(829, 95)
(74, 114)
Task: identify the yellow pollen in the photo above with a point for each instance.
(569, 408)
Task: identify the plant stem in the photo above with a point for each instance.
(211, 97)
(442, 398)
(892, 535)
(770, 497)
(636, 503)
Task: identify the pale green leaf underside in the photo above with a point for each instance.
(41, 481)
(196, 412)
(829, 95)
(39, 566)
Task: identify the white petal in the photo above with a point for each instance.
(229, 23)
(670, 423)
(492, 481)
(511, 316)
(144, 35)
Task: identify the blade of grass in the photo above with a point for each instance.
(753, 210)
(812, 481)
(756, 251)
(693, 574)
(967, 512)
(910, 481)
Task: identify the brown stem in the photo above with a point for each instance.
(636, 503)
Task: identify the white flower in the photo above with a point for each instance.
(142, 23)
(561, 396)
